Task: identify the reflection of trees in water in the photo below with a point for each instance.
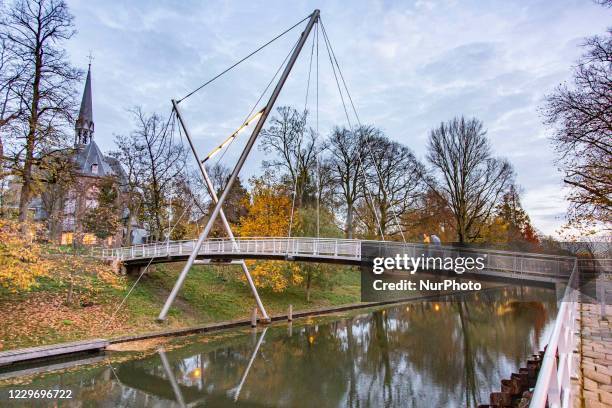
(419, 354)
(459, 351)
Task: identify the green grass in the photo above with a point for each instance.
(208, 295)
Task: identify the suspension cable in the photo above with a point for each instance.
(259, 99)
(243, 59)
(348, 119)
(376, 166)
(295, 179)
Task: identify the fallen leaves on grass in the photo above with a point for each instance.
(41, 318)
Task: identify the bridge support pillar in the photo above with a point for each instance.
(133, 269)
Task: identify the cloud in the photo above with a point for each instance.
(409, 66)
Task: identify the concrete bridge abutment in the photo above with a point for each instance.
(132, 269)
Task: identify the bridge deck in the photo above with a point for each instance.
(331, 250)
(321, 249)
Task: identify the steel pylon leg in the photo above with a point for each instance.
(213, 195)
(243, 156)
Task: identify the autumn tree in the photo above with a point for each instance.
(431, 215)
(181, 208)
(471, 180)
(269, 211)
(21, 261)
(581, 114)
(516, 218)
(32, 32)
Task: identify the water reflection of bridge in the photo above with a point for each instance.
(169, 388)
(335, 363)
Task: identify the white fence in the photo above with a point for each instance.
(553, 387)
(343, 249)
(504, 263)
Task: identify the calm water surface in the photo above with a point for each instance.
(419, 354)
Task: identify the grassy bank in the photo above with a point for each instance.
(43, 315)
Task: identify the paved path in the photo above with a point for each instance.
(594, 384)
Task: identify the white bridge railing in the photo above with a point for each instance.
(506, 263)
(346, 249)
(553, 386)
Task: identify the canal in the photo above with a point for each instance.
(416, 354)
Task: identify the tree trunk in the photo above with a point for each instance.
(461, 233)
(24, 197)
(1, 156)
(349, 221)
(128, 232)
(26, 188)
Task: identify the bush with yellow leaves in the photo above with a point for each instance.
(20, 256)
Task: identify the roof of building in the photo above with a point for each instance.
(91, 162)
(89, 159)
(86, 111)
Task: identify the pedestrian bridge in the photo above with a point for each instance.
(331, 250)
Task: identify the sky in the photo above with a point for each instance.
(409, 65)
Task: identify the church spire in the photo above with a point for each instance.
(84, 127)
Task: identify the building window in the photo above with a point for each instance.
(67, 238)
(70, 206)
(68, 223)
(91, 203)
(94, 168)
(89, 239)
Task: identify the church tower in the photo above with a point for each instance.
(84, 126)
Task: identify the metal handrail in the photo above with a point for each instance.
(553, 387)
(393, 243)
(275, 246)
(343, 249)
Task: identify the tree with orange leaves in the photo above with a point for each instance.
(269, 214)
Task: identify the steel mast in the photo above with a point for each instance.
(213, 195)
(314, 17)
